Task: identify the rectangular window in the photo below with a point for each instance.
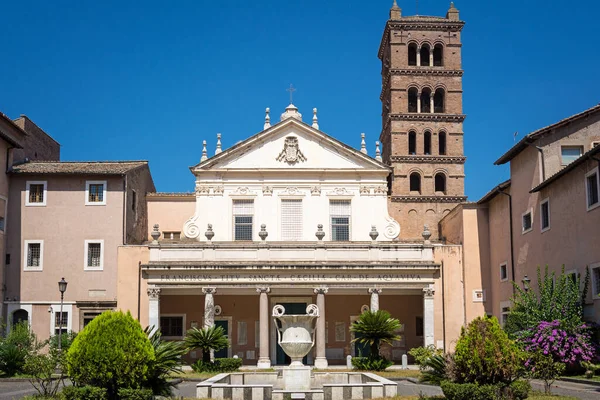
(291, 219)
(419, 326)
(339, 212)
(172, 235)
(35, 193)
(591, 189)
(570, 154)
(94, 254)
(595, 280)
(594, 144)
(527, 222)
(504, 315)
(503, 272)
(88, 317)
(545, 214)
(133, 200)
(34, 255)
(61, 322)
(1, 224)
(243, 216)
(171, 326)
(95, 193)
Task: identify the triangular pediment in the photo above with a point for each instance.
(291, 144)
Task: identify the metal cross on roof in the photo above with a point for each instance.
(291, 90)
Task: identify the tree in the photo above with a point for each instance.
(556, 298)
(544, 367)
(374, 328)
(111, 352)
(207, 339)
(167, 361)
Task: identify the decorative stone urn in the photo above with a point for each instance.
(295, 332)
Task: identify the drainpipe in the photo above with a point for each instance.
(512, 247)
(443, 309)
(139, 289)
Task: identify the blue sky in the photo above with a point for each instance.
(150, 80)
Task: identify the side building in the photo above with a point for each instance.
(67, 220)
(547, 213)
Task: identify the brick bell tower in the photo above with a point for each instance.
(422, 119)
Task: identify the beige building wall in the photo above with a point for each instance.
(170, 211)
(132, 289)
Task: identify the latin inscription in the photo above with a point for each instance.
(257, 278)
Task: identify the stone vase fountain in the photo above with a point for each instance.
(296, 336)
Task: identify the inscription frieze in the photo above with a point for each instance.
(288, 278)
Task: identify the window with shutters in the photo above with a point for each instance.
(243, 218)
(339, 212)
(94, 255)
(291, 219)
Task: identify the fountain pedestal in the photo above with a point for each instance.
(295, 335)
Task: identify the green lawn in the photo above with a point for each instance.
(533, 396)
(582, 377)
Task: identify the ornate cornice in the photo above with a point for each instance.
(429, 159)
(429, 199)
(428, 117)
(426, 71)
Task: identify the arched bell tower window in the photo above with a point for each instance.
(412, 142)
(412, 54)
(426, 100)
(438, 101)
(442, 143)
(425, 55)
(415, 182)
(440, 182)
(427, 143)
(438, 55)
(412, 100)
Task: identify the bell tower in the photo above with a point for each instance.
(422, 117)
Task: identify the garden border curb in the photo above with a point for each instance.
(14, 379)
(582, 381)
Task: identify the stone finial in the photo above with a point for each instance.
(209, 232)
(374, 234)
(315, 123)
(218, 150)
(155, 234)
(320, 234)
(377, 152)
(204, 153)
(291, 111)
(363, 145)
(263, 232)
(452, 13)
(426, 234)
(395, 12)
(267, 119)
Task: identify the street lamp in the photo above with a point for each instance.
(62, 288)
(526, 282)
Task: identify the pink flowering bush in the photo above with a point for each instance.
(568, 347)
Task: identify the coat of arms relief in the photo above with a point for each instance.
(291, 153)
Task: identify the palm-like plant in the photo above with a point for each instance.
(207, 339)
(374, 328)
(167, 362)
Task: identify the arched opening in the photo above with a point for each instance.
(412, 54)
(427, 143)
(438, 55)
(412, 100)
(415, 182)
(442, 143)
(20, 316)
(440, 182)
(412, 142)
(425, 55)
(438, 101)
(426, 100)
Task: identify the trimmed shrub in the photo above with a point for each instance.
(220, 365)
(135, 394)
(370, 363)
(517, 390)
(520, 389)
(485, 355)
(83, 393)
(423, 353)
(112, 352)
(14, 349)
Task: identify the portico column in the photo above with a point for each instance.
(428, 316)
(209, 306)
(374, 298)
(321, 359)
(263, 354)
(154, 308)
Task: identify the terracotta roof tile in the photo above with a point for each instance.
(72, 167)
